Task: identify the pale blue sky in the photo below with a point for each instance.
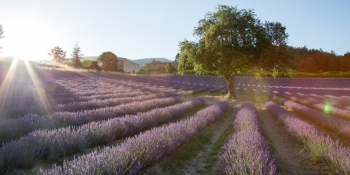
(154, 28)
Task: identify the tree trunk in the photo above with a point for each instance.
(230, 80)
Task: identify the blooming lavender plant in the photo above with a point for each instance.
(320, 147)
(50, 145)
(324, 120)
(82, 105)
(341, 113)
(13, 128)
(138, 152)
(246, 118)
(246, 151)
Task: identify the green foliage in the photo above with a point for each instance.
(170, 68)
(186, 152)
(290, 72)
(274, 72)
(142, 71)
(76, 56)
(177, 57)
(86, 63)
(230, 42)
(186, 54)
(58, 54)
(109, 61)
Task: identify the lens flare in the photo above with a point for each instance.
(327, 108)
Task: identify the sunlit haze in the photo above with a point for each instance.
(145, 29)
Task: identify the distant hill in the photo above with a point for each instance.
(90, 58)
(142, 62)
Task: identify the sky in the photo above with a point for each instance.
(153, 29)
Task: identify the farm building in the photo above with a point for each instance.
(156, 65)
(127, 66)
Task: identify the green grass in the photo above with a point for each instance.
(188, 151)
(216, 148)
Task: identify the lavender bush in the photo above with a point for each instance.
(341, 113)
(50, 145)
(325, 120)
(320, 147)
(81, 105)
(138, 152)
(13, 128)
(246, 152)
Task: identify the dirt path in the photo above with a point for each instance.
(290, 156)
(204, 161)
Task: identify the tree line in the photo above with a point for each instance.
(107, 61)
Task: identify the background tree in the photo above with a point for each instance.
(177, 57)
(1, 35)
(347, 54)
(187, 51)
(231, 41)
(109, 61)
(169, 68)
(76, 56)
(86, 63)
(58, 54)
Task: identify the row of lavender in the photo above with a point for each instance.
(337, 106)
(84, 95)
(320, 146)
(137, 153)
(329, 122)
(164, 86)
(90, 103)
(53, 144)
(318, 86)
(196, 84)
(14, 128)
(334, 87)
(43, 101)
(246, 152)
(334, 107)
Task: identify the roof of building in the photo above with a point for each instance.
(125, 59)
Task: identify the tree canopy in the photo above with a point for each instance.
(169, 68)
(76, 56)
(177, 57)
(58, 54)
(109, 61)
(230, 41)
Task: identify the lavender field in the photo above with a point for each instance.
(57, 122)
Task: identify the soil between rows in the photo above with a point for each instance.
(290, 156)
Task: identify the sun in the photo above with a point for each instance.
(24, 40)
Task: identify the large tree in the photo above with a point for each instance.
(231, 41)
(1, 34)
(58, 54)
(76, 56)
(109, 61)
